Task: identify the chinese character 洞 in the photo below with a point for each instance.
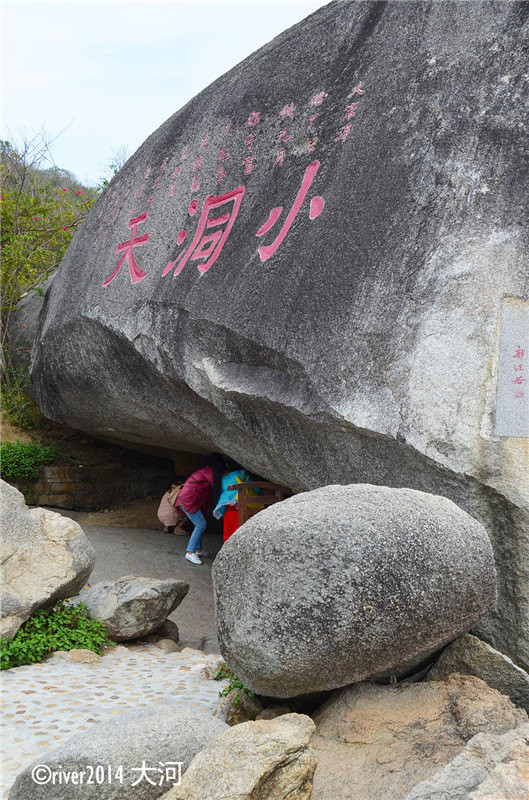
(248, 164)
(344, 133)
(316, 207)
(350, 110)
(287, 111)
(209, 246)
(280, 156)
(318, 99)
(254, 119)
(519, 353)
(359, 89)
(136, 274)
(283, 136)
(250, 139)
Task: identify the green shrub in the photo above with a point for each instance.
(62, 628)
(20, 461)
(234, 683)
(17, 407)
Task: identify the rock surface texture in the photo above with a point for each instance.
(165, 733)
(380, 579)
(45, 557)
(266, 760)
(471, 656)
(491, 767)
(131, 606)
(383, 742)
(319, 267)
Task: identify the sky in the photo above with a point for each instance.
(97, 77)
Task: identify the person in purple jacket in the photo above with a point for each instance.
(194, 498)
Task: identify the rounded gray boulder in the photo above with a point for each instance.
(336, 585)
(106, 762)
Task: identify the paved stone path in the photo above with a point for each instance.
(44, 705)
(154, 554)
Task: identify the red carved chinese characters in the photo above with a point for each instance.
(350, 110)
(359, 89)
(344, 133)
(519, 380)
(136, 274)
(254, 119)
(209, 246)
(318, 99)
(287, 111)
(316, 207)
(250, 139)
(248, 164)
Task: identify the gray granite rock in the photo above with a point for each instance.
(45, 557)
(165, 734)
(133, 606)
(491, 767)
(23, 328)
(169, 630)
(471, 656)
(366, 347)
(343, 582)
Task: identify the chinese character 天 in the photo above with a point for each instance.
(136, 274)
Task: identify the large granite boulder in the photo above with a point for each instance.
(470, 656)
(45, 557)
(159, 738)
(265, 760)
(385, 741)
(319, 267)
(133, 606)
(344, 582)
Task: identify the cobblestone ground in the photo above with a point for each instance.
(44, 705)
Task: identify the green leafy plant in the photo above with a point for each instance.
(234, 683)
(17, 407)
(41, 207)
(64, 627)
(20, 461)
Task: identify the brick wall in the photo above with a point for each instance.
(97, 486)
